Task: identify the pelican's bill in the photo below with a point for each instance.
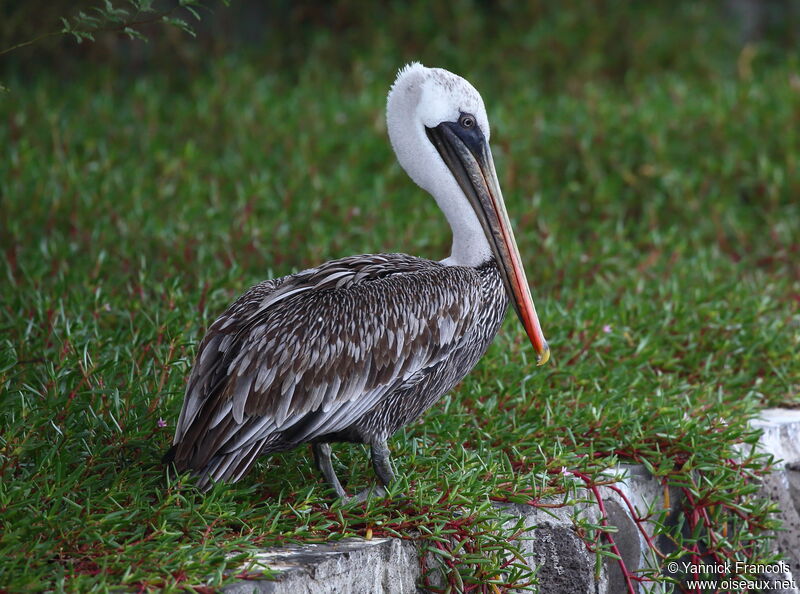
(468, 156)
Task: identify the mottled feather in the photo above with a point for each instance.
(307, 356)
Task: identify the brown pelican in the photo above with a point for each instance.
(354, 349)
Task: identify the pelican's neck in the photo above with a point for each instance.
(470, 247)
(425, 166)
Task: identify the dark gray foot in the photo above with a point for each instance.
(322, 458)
(369, 492)
(382, 463)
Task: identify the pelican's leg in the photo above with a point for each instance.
(383, 469)
(322, 458)
(382, 463)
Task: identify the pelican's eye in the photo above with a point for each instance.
(466, 121)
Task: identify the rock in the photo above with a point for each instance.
(351, 565)
(563, 562)
(781, 438)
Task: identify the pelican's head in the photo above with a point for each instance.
(422, 99)
(439, 130)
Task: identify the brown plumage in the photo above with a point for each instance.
(323, 356)
(358, 347)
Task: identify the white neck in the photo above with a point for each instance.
(470, 247)
(425, 166)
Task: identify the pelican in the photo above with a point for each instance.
(356, 348)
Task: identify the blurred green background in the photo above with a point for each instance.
(648, 153)
(554, 42)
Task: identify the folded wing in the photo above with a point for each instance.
(309, 354)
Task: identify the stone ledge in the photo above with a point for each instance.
(781, 438)
(350, 565)
(564, 564)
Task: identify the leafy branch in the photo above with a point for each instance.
(127, 19)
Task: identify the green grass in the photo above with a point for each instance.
(652, 176)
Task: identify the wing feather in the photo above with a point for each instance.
(309, 354)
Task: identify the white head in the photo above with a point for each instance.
(440, 133)
(423, 98)
(438, 96)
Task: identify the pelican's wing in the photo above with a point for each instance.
(311, 353)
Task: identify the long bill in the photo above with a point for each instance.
(467, 154)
